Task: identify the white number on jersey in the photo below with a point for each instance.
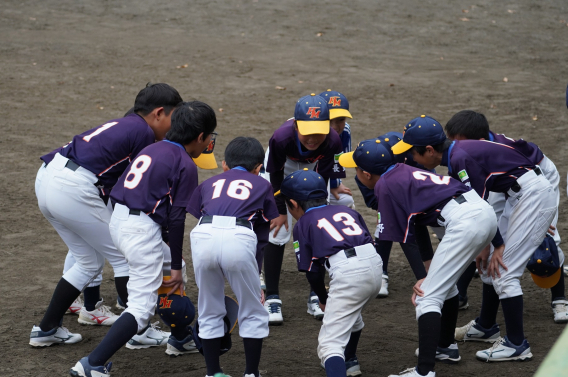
(238, 189)
(437, 179)
(136, 171)
(353, 229)
(99, 130)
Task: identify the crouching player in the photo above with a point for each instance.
(151, 195)
(234, 211)
(335, 237)
(408, 197)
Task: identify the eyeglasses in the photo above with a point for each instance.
(211, 145)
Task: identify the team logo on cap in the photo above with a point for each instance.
(313, 112)
(165, 303)
(335, 101)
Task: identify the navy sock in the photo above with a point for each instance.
(335, 367)
(117, 336)
(351, 348)
(384, 249)
(448, 322)
(211, 352)
(465, 280)
(120, 283)
(63, 296)
(489, 307)
(428, 336)
(273, 256)
(180, 333)
(513, 313)
(557, 292)
(253, 349)
(92, 295)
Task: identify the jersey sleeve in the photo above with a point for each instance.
(194, 205)
(276, 156)
(141, 141)
(329, 166)
(270, 209)
(393, 224)
(303, 249)
(186, 185)
(466, 170)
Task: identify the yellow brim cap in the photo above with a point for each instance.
(313, 127)
(206, 161)
(277, 193)
(400, 147)
(547, 281)
(346, 160)
(338, 113)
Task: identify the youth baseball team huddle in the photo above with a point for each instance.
(121, 191)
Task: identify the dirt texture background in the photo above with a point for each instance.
(67, 66)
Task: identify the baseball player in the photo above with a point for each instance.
(234, 211)
(151, 195)
(69, 198)
(471, 125)
(304, 141)
(531, 206)
(335, 237)
(407, 197)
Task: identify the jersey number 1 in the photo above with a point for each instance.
(353, 229)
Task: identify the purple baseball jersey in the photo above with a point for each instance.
(485, 165)
(108, 149)
(326, 230)
(410, 196)
(531, 150)
(49, 157)
(161, 177)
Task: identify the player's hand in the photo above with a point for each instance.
(551, 230)
(417, 291)
(322, 307)
(277, 223)
(262, 297)
(341, 189)
(496, 262)
(176, 282)
(481, 260)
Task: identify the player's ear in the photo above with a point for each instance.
(224, 166)
(256, 171)
(200, 138)
(294, 203)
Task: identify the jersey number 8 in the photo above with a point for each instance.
(138, 167)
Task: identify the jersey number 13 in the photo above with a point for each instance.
(353, 229)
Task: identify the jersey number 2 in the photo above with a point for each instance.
(238, 189)
(353, 229)
(137, 169)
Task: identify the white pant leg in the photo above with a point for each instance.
(470, 226)
(139, 238)
(353, 282)
(551, 174)
(70, 262)
(344, 200)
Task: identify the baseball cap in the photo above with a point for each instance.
(421, 131)
(303, 185)
(229, 321)
(372, 155)
(206, 159)
(337, 104)
(544, 264)
(312, 115)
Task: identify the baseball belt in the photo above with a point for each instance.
(459, 199)
(516, 187)
(239, 221)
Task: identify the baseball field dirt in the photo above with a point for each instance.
(67, 66)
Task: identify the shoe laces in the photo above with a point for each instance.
(155, 326)
(105, 310)
(469, 326)
(560, 308)
(65, 329)
(496, 345)
(407, 371)
(274, 307)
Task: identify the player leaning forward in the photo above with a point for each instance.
(408, 197)
(151, 193)
(530, 208)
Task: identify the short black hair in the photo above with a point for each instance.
(469, 124)
(156, 95)
(189, 120)
(438, 147)
(246, 152)
(307, 204)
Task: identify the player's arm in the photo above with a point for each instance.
(316, 278)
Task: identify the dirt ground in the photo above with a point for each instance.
(67, 66)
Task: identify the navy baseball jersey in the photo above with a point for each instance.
(108, 149)
(485, 165)
(326, 230)
(161, 177)
(531, 150)
(408, 196)
(345, 137)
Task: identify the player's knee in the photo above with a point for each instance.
(176, 310)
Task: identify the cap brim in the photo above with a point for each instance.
(313, 127)
(232, 307)
(338, 113)
(277, 193)
(547, 281)
(206, 161)
(346, 160)
(400, 147)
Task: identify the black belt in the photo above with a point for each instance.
(459, 199)
(349, 253)
(135, 212)
(239, 222)
(516, 187)
(72, 165)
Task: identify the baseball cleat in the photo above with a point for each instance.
(565, 270)
(474, 332)
(412, 372)
(384, 292)
(119, 304)
(273, 306)
(76, 306)
(352, 366)
(101, 316)
(262, 282)
(58, 335)
(152, 337)
(84, 369)
(504, 350)
(560, 311)
(181, 347)
(314, 306)
(463, 305)
(450, 355)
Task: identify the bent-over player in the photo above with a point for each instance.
(408, 197)
(152, 194)
(335, 237)
(531, 206)
(234, 211)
